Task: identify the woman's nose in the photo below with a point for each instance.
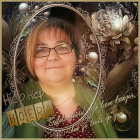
(53, 55)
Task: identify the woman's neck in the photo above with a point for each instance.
(63, 96)
(59, 92)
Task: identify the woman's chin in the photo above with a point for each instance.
(55, 76)
(54, 79)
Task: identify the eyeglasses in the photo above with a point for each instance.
(63, 48)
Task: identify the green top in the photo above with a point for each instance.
(84, 97)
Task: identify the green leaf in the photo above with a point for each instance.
(91, 81)
(91, 76)
(90, 72)
(26, 31)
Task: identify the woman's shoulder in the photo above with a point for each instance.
(84, 95)
(30, 85)
(32, 93)
(83, 90)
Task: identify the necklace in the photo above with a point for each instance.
(62, 102)
(68, 99)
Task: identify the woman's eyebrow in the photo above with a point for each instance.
(44, 44)
(62, 41)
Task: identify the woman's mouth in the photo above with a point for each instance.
(54, 67)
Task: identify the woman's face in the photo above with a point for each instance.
(55, 67)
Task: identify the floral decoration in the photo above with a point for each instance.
(113, 26)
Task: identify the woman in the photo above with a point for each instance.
(51, 53)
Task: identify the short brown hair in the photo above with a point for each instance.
(33, 35)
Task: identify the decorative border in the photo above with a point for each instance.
(14, 47)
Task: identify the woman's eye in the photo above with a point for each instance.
(63, 47)
(40, 50)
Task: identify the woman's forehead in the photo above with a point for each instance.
(53, 33)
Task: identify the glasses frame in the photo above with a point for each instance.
(54, 50)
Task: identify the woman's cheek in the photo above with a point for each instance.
(38, 65)
(71, 62)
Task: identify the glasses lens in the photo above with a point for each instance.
(41, 51)
(63, 48)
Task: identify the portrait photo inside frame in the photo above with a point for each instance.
(72, 72)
